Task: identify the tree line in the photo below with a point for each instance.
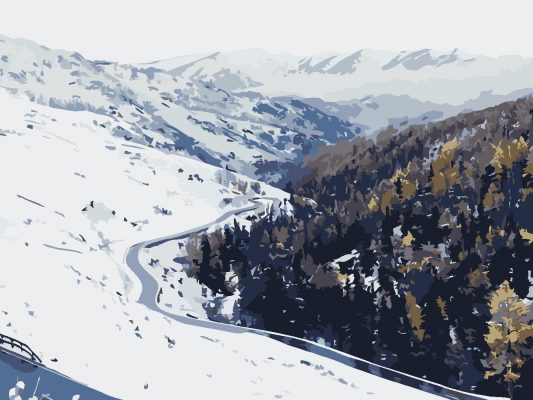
(412, 251)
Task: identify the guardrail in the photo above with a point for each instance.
(23, 347)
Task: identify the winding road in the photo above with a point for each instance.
(150, 289)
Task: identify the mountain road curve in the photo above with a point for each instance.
(150, 288)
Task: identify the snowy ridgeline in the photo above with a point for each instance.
(425, 74)
(247, 132)
(74, 199)
(256, 113)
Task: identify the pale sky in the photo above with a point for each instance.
(141, 31)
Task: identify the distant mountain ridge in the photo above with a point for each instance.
(341, 76)
(220, 108)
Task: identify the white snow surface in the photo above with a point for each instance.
(67, 293)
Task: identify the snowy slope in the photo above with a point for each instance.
(73, 199)
(247, 132)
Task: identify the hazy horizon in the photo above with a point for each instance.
(140, 32)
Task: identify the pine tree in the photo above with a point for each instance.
(509, 333)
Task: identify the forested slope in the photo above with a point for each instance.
(413, 251)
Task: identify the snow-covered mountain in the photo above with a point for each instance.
(246, 131)
(422, 74)
(222, 109)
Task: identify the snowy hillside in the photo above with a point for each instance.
(423, 74)
(245, 132)
(67, 219)
(219, 108)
